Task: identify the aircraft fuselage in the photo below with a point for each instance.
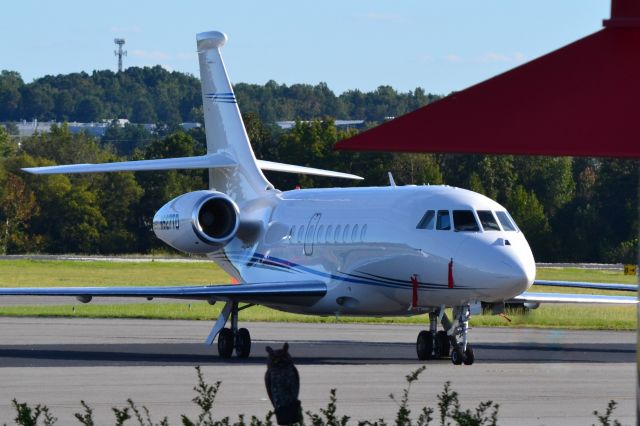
(367, 244)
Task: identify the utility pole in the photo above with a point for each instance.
(119, 53)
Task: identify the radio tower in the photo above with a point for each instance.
(119, 53)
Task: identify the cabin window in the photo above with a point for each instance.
(488, 221)
(329, 233)
(427, 220)
(311, 233)
(363, 233)
(345, 236)
(354, 234)
(505, 221)
(301, 234)
(465, 221)
(319, 238)
(443, 221)
(336, 235)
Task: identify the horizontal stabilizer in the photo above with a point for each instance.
(299, 292)
(527, 297)
(208, 161)
(593, 286)
(288, 168)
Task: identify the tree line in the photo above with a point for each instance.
(571, 209)
(155, 95)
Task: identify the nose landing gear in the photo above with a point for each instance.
(434, 344)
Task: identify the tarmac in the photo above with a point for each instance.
(539, 377)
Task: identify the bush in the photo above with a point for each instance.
(449, 411)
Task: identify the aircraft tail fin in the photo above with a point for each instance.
(224, 126)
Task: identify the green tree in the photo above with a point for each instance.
(531, 219)
(10, 97)
(89, 110)
(17, 206)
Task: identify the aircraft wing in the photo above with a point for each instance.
(593, 286)
(297, 292)
(528, 297)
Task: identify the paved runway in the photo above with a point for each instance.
(537, 376)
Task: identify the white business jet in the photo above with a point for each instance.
(336, 251)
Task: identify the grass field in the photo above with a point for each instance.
(23, 273)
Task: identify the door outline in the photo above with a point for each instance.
(309, 237)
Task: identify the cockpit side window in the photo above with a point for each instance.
(443, 221)
(427, 220)
(505, 221)
(487, 220)
(464, 220)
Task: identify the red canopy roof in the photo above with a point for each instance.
(582, 99)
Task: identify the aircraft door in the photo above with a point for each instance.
(311, 234)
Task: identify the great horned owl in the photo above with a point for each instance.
(283, 384)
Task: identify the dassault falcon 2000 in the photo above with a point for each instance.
(336, 251)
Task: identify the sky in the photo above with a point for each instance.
(440, 45)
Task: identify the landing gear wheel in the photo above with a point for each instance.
(424, 345)
(243, 343)
(468, 355)
(225, 343)
(456, 356)
(443, 345)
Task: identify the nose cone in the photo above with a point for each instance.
(501, 268)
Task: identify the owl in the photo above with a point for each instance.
(283, 384)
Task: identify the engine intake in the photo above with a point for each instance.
(198, 222)
(215, 219)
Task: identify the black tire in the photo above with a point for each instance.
(456, 357)
(469, 357)
(424, 345)
(443, 344)
(243, 343)
(225, 343)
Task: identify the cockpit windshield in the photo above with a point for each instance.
(506, 221)
(464, 220)
(488, 221)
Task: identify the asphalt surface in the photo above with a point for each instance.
(537, 376)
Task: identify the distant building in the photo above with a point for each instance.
(341, 124)
(29, 128)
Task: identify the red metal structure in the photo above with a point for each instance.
(580, 100)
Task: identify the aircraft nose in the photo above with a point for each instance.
(506, 266)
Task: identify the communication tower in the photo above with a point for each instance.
(119, 53)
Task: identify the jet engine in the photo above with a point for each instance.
(197, 222)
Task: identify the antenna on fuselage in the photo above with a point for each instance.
(391, 181)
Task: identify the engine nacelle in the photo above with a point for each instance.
(197, 222)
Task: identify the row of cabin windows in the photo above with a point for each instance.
(329, 234)
(465, 220)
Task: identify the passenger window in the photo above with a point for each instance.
(336, 236)
(427, 220)
(505, 221)
(345, 236)
(464, 220)
(487, 220)
(354, 234)
(329, 233)
(443, 221)
(320, 234)
(363, 233)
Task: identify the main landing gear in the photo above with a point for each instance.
(233, 337)
(452, 341)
